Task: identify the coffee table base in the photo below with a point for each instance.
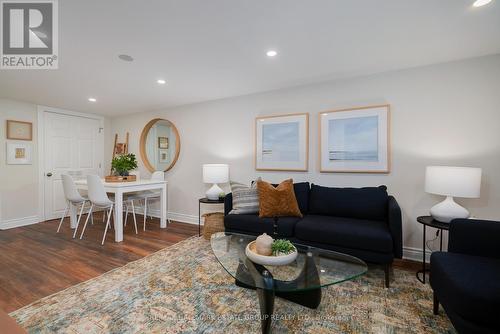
(268, 288)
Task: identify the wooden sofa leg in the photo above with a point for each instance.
(387, 270)
(435, 307)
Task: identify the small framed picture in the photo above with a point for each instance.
(282, 142)
(163, 156)
(355, 140)
(19, 154)
(163, 142)
(19, 130)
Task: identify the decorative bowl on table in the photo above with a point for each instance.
(269, 260)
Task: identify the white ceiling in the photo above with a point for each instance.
(213, 49)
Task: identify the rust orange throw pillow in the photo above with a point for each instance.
(277, 201)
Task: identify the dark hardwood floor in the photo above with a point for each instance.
(35, 261)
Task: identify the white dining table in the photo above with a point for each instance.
(121, 188)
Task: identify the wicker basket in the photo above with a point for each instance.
(214, 222)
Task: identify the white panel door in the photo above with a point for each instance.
(72, 145)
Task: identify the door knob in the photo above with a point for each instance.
(49, 174)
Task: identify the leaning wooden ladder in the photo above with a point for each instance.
(119, 148)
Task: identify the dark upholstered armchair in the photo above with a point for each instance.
(466, 279)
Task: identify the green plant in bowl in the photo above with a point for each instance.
(124, 163)
(282, 247)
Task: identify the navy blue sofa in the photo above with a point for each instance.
(466, 279)
(363, 222)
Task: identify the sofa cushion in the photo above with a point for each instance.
(301, 190)
(252, 224)
(369, 235)
(279, 201)
(363, 254)
(245, 198)
(469, 285)
(362, 203)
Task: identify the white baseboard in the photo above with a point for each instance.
(415, 254)
(183, 218)
(18, 222)
(178, 217)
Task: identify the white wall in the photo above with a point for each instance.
(445, 114)
(18, 183)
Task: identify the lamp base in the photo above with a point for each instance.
(448, 210)
(214, 192)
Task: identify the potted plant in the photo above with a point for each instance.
(282, 247)
(124, 163)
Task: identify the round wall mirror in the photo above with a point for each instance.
(160, 145)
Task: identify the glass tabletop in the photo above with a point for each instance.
(314, 267)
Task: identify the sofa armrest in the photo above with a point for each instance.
(475, 237)
(228, 203)
(395, 227)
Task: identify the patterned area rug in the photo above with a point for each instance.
(183, 289)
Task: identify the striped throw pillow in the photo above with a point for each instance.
(245, 198)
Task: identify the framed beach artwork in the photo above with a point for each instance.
(355, 140)
(282, 142)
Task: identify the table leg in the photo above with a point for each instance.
(163, 206)
(266, 287)
(423, 270)
(266, 303)
(199, 219)
(166, 205)
(423, 260)
(72, 215)
(264, 283)
(118, 216)
(441, 240)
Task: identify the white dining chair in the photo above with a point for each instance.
(99, 199)
(149, 195)
(73, 197)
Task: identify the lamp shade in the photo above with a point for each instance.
(215, 173)
(453, 181)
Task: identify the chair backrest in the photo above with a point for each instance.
(158, 176)
(96, 192)
(70, 191)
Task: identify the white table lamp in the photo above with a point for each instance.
(452, 182)
(215, 173)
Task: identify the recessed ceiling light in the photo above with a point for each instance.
(92, 99)
(125, 57)
(161, 81)
(271, 53)
(480, 3)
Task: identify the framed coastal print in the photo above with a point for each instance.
(163, 142)
(282, 142)
(19, 130)
(355, 140)
(19, 154)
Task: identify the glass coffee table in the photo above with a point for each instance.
(300, 281)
